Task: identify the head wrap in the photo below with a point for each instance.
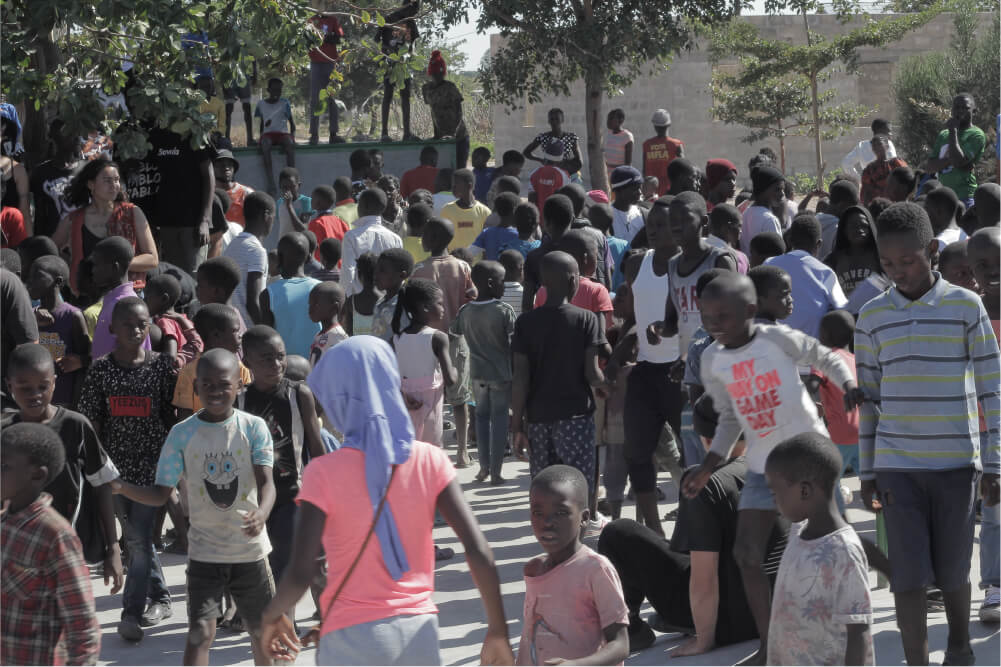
(437, 64)
(717, 170)
(358, 384)
(598, 196)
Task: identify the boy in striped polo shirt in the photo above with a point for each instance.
(925, 354)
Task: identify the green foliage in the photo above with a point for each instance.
(924, 86)
(804, 183)
(779, 89)
(59, 57)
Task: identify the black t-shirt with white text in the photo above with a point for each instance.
(279, 410)
(49, 184)
(167, 183)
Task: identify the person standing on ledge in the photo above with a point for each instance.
(445, 101)
(399, 32)
(957, 149)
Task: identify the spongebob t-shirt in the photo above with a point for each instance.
(217, 460)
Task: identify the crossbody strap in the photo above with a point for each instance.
(361, 552)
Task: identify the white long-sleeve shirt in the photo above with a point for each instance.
(856, 160)
(369, 235)
(757, 389)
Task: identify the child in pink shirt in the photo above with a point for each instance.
(575, 610)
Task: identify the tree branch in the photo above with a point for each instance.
(512, 22)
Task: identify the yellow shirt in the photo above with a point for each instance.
(347, 212)
(468, 222)
(90, 315)
(215, 106)
(412, 244)
(184, 391)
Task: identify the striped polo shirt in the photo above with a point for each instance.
(923, 365)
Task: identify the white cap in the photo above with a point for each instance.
(661, 118)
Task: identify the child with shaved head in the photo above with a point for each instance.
(751, 374)
(226, 455)
(555, 350)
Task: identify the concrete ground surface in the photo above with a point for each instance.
(502, 513)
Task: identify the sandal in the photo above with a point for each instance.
(176, 547)
(443, 553)
(482, 475)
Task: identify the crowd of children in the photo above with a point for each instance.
(594, 335)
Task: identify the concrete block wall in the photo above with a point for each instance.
(683, 89)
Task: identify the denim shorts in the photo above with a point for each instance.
(929, 526)
(756, 494)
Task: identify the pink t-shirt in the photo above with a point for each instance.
(567, 608)
(335, 484)
(590, 296)
(842, 426)
(454, 277)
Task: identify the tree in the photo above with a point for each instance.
(550, 46)
(60, 57)
(800, 71)
(924, 85)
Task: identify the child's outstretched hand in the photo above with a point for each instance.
(279, 639)
(854, 397)
(496, 651)
(43, 317)
(412, 403)
(253, 522)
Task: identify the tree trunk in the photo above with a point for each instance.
(815, 109)
(782, 151)
(593, 96)
(45, 60)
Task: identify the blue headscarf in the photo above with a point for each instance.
(358, 384)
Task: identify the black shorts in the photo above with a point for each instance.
(241, 93)
(250, 584)
(929, 527)
(651, 400)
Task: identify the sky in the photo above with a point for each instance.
(476, 45)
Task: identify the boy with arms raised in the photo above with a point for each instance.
(913, 461)
(751, 374)
(49, 616)
(574, 610)
(229, 454)
(822, 609)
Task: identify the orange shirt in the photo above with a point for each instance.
(327, 226)
(657, 154)
(237, 193)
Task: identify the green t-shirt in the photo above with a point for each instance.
(972, 140)
(487, 326)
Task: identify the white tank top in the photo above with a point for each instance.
(415, 355)
(683, 295)
(650, 294)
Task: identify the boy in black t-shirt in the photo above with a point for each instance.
(555, 351)
(127, 397)
(31, 376)
(289, 410)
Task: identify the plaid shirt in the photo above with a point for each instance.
(874, 178)
(48, 615)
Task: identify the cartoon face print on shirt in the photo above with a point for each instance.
(222, 479)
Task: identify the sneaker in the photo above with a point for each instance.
(443, 553)
(156, 612)
(990, 610)
(846, 495)
(592, 531)
(641, 635)
(130, 630)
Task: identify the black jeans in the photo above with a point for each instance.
(649, 570)
(651, 400)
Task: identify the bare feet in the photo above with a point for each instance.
(756, 658)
